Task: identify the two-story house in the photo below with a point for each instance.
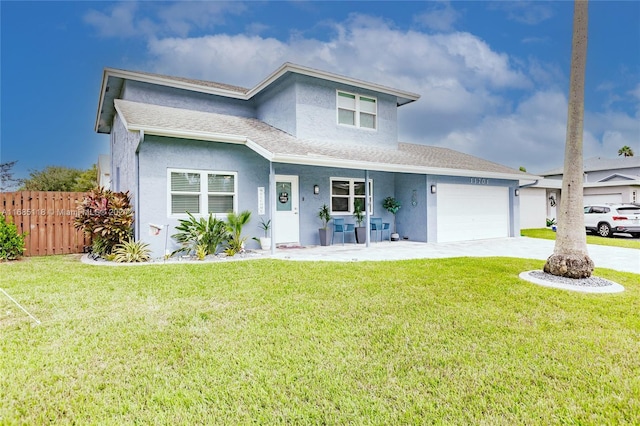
(299, 139)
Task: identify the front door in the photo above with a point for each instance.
(286, 227)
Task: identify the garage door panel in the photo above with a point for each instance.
(468, 212)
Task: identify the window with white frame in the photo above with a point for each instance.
(202, 192)
(357, 110)
(348, 193)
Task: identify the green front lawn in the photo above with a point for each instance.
(617, 241)
(453, 341)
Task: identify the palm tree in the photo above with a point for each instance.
(570, 257)
(626, 151)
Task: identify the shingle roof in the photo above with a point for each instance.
(113, 80)
(279, 146)
(202, 83)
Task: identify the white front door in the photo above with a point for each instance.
(286, 224)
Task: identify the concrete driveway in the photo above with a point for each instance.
(620, 259)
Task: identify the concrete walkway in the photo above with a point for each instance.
(620, 259)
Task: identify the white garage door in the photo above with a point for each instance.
(602, 198)
(469, 212)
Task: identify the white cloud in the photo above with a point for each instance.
(134, 19)
(525, 12)
(440, 16)
(118, 23)
(473, 98)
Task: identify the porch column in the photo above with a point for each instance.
(367, 223)
(272, 206)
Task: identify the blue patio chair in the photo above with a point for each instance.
(340, 226)
(376, 226)
(385, 227)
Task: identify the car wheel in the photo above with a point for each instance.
(636, 235)
(604, 230)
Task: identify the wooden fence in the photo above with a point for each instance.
(47, 219)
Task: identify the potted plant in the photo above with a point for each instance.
(265, 242)
(325, 217)
(361, 231)
(392, 206)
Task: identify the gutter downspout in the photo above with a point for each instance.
(529, 184)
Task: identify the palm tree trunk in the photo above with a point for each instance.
(570, 257)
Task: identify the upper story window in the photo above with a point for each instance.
(347, 193)
(202, 192)
(357, 110)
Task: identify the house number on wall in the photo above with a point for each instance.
(479, 181)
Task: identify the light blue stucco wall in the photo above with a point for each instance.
(310, 204)
(158, 154)
(412, 217)
(124, 162)
(179, 98)
(316, 115)
(306, 107)
(276, 106)
(417, 219)
(303, 106)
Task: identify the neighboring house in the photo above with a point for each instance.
(299, 139)
(104, 171)
(606, 180)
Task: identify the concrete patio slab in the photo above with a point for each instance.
(617, 258)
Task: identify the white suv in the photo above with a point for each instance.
(605, 219)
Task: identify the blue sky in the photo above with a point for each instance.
(493, 76)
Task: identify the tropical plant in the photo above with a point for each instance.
(99, 247)
(324, 215)
(625, 151)
(106, 214)
(358, 214)
(11, 242)
(209, 232)
(201, 251)
(570, 257)
(392, 206)
(265, 226)
(131, 252)
(235, 223)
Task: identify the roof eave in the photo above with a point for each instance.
(404, 97)
(313, 160)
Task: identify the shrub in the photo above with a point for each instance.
(11, 242)
(99, 247)
(324, 215)
(209, 233)
(131, 251)
(107, 215)
(235, 222)
(201, 252)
